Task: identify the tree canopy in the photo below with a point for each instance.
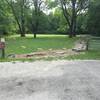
(49, 17)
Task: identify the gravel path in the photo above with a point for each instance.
(50, 80)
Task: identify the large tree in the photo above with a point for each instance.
(71, 10)
(35, 16)
(18, 8)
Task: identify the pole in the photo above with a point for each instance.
(2, 47)
(3, 53)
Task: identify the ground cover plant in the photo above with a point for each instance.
(26, 45)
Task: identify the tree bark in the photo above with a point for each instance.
(21, 25)
(37, 5)
(22, 19)
(35, 35)
(73, 20)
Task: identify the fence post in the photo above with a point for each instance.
(87, 45)
(88, 38)
(2, 47)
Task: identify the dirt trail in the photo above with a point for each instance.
(45, 54)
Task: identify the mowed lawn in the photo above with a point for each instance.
(19, 45)
(92, 53)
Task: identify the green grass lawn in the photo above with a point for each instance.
(88, 55)
(92, 53)
(94, 45)
(18, 45)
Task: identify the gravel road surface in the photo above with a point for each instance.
(50, 80)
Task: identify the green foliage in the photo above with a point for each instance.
(17, 45)
(52, 23)
(60, 21)
(50, 18)
(5, 19)
(82, 24)
(51, 3)
(93, 23)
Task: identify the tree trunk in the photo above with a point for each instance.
(74, 26)
(22, 27)
(72, 32)
(34, 35)
(73, 20)
(22, 35)
(37, 4)
(22, 19)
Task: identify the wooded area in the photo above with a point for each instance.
(49, 17)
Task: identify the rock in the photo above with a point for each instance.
(11, 56)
